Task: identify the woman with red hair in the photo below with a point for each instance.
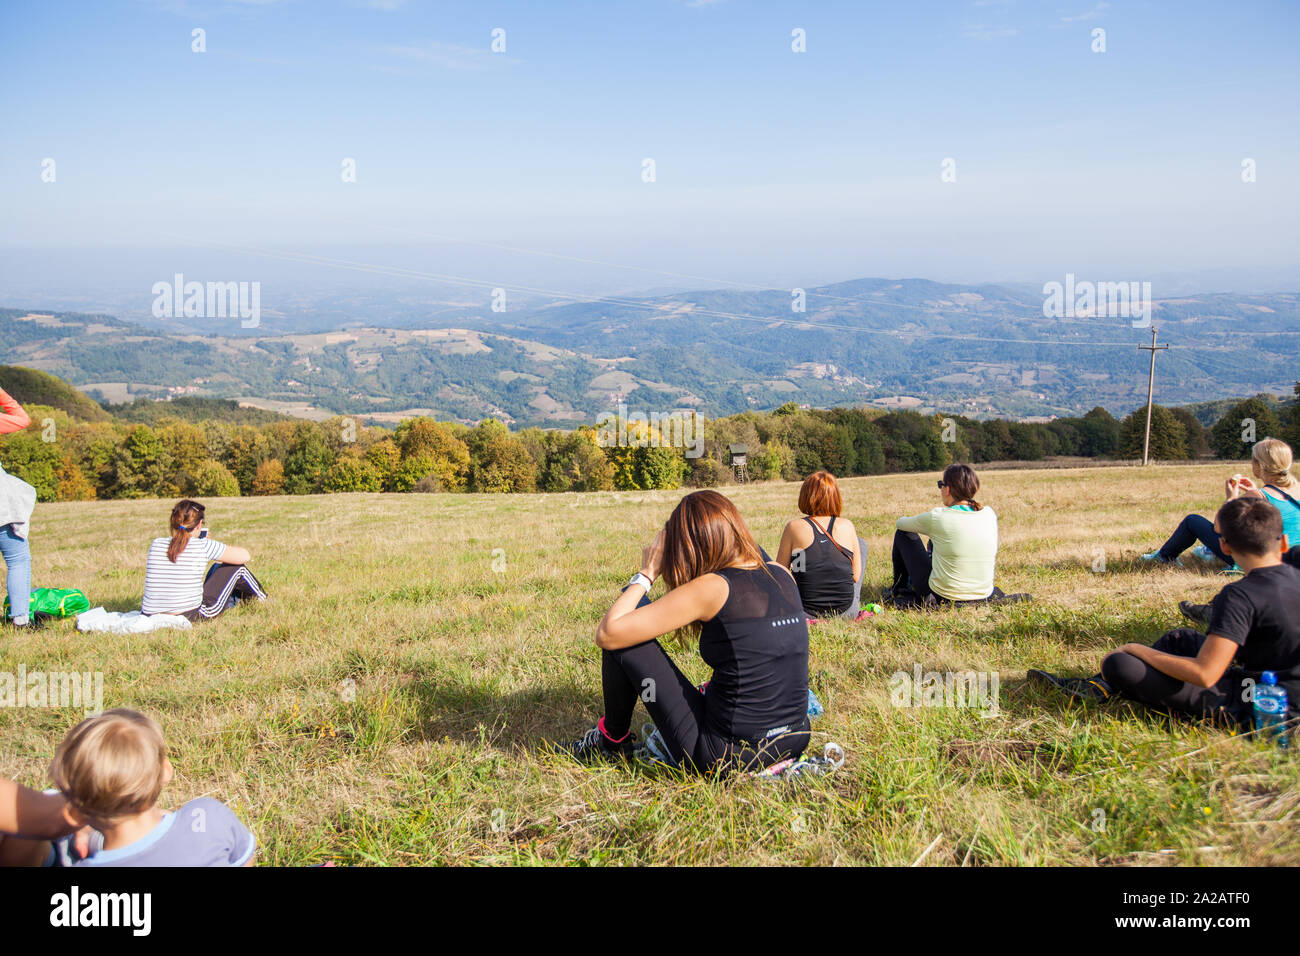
(752, 632)
(823, 550)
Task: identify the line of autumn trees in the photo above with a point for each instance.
(69, 458)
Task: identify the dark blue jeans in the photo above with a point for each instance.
(1191, 529)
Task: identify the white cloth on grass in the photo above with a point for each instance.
(99, 621)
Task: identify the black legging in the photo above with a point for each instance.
(913, 562)
(1137, 680)
(646, 672)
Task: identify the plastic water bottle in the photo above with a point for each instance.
(815, 708)
(1270, 709)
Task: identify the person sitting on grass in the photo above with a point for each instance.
(1254, 627)
(174, 580)
(958, 565)
(823, 551)
(1200, 613)
(112, 769)
(29, 820)
(1270, 463)
(752, 632)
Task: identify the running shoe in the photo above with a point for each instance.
(1155, 557)
(1204, 553)
(830, 760)
(1196, 613)
(594, 746)
(35, 621)
(1080, 688)
(653, 748)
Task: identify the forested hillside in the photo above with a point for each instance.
(76, 450)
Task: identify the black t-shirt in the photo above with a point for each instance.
(757, 645)
(1261, 614)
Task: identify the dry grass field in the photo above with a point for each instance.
(389, 705)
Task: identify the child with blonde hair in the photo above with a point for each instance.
(112, 769)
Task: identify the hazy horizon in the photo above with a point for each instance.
(773, 168)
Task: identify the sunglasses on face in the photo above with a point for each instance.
(940, 484)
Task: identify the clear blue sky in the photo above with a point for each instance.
(772, 166)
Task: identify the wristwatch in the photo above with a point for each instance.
(642, 580)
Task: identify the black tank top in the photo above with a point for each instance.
(826, 580)
(757, 645)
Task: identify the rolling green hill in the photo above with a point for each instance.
(189, 408)
(30, 386)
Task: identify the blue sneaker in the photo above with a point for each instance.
(653, 749)
(1204, 553)
(1155, 557)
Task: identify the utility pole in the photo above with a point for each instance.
(1151, 385)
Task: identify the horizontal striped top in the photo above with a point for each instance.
(176, 588)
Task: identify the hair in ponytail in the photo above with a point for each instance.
(186, 518)
(962, 484)
(1274, 459)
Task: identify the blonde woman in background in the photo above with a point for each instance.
(1270, 464)
(1270, 461)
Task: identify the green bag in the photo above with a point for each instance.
(57, 602)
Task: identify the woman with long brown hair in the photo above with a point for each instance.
(175, 581)
(752, 632)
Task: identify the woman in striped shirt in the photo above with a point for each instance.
(175, 581)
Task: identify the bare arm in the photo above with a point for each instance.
(626, 625)
(786, 549)
(1203, 670)
(30, 813)
(234, 555)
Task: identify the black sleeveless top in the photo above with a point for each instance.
(757, 645)
(826, 580)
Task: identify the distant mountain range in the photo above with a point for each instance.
(978, 350)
